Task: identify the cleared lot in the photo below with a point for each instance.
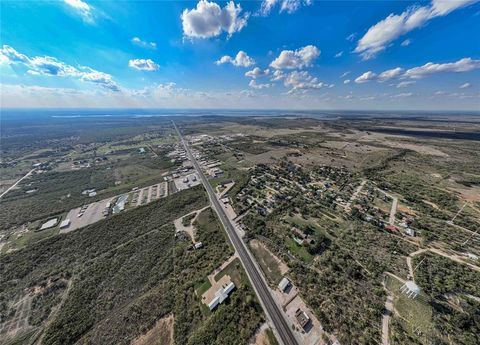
(92, 214)
(187, 181)
(94, 211)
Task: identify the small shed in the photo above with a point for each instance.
(284, 284)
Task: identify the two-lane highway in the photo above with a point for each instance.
(275, 315)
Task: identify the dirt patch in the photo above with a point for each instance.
(227, 187)
(261, 337)
(430, 203)
(312, 334)
(272, 132)
(351, 146)
(160, 334)
(469, 194)
(17, 324)
(269, 157)
(422, 149)
(405, 209)
(189, 229)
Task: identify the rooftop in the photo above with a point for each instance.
(221, 295)
(284, 283)
(49, 224)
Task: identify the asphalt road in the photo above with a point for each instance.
(272, 310)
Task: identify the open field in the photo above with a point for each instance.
(272, 266)
(417, 313)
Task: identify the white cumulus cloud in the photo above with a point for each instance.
(430, 68)
(208, 19)
(277, 75)
(100, 78)
(462, 65)
(241, 60)
(390, 74)
(50, 66)
(367, 76)
(346, 81)
(257, 73)
(301, 80)
(466, 86)
(296, 59)
(380, 35)
(254, 85)
(143, 64)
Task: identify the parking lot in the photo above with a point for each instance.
(93, 213)
(148, 194)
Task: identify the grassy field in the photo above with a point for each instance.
(268, 263)
(417, 313)
(202, 288)
(235, 270)
(298, 250)
(302, 222)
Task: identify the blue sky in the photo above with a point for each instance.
(300, 54)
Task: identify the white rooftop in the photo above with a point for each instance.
(213, 304)
(283, 284)
(411, 289)
(412, 286)
(221, 295)
(65, 223)
(49, 224)
(229, 288)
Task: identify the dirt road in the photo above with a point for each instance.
(354, 196)
(16, 183)
(386, 320)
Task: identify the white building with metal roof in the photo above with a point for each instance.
(284, 284)
(221, 295)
